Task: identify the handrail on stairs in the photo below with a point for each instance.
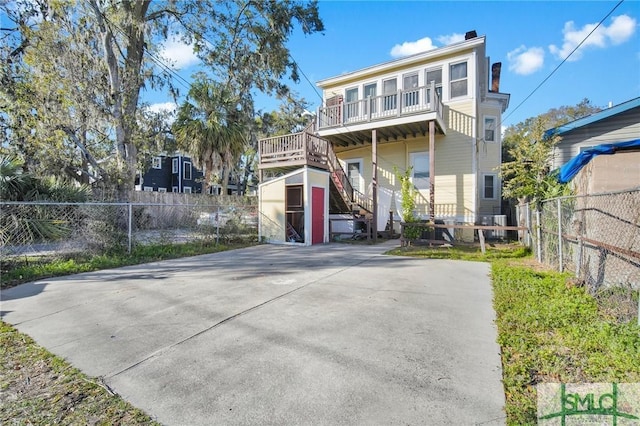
(315, 150)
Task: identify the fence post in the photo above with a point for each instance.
(130, 227)
(218, 225)
(538, 235)
(560, 254)
(527, 221)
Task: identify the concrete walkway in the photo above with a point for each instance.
(333, 334)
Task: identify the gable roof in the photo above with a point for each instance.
(585, 121)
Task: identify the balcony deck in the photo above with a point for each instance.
(293, 151)
(399, 115)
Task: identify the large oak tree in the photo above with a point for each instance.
(73, 72)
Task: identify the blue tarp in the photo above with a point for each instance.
(573, 166)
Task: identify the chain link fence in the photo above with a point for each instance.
(596, 238)
(57, 229)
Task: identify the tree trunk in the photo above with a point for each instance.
(125, 86)
(226, 171)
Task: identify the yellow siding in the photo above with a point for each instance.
(318, 178)
(272, 210)
(454, 179)
(489, 158)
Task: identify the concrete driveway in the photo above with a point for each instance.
(330, 334)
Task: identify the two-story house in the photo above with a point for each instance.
(170, 173)
(434, 113)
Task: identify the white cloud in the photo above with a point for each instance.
(451, 38)
(411, 47)
(621, 29)
(178, 53)
(525, 61)
(163, 107)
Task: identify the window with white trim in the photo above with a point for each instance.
(186, 172)
(156, 163)
(370, 92)
(435, 76)
(410, 88)
(354, 173)
(490, 128)
(147, 188)
(161, 189)
(489, 186)
(187, 190)
(389, 94)
(419, 162)
(174, 165)
(174, 189)
(352, 102)
(458, 80)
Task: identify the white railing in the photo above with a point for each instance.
(404, 102)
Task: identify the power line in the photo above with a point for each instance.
(563, 61)
(305, 76)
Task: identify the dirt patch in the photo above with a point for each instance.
(37, 387)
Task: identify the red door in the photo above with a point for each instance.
(317, 215)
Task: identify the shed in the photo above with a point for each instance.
(294, 208)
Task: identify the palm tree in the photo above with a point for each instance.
(209, 128)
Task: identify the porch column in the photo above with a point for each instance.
(374, 183)
(432, 171)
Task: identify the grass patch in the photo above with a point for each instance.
(37, 387)
(552, 332)
(464, 252)
(548, 329)
(22, 270)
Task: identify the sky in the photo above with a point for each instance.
(530, 38)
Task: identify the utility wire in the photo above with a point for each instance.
(563, 61)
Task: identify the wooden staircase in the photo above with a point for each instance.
(289, 152)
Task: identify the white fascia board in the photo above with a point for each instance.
(502, 98)
(404, 62)
(295, 172)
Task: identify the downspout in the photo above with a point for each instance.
(306, 193)
(180, 173)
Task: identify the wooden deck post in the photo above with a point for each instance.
(432, 174)
(374, 182)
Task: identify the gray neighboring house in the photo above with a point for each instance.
(604, 173)
(616, 124)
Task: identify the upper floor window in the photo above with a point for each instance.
(370, 92)
(352, 102)
(458, 77)
(490, 129)
(174, 165)
(390, 94)
(156, 163)
(186, 173)
(410, 87)
(434, 75)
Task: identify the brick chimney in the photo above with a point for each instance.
(495, 77)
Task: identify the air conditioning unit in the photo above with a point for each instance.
(494, 220)
(500, 220)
